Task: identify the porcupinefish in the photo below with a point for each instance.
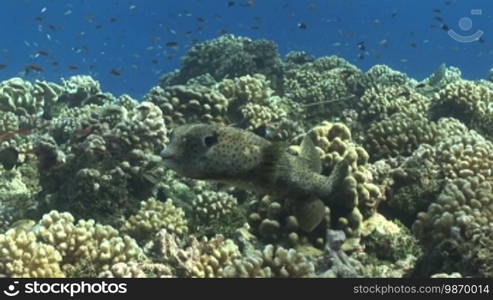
(244, 159)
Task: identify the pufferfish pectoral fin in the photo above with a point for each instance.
(309, 213)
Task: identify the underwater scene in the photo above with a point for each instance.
(242, 138)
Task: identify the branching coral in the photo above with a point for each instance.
(229, 56)
(211, 205)
(383, 100)
(357, 199)
(86, 243)
(153, 216)
(81, 90)
(253, 101)
(462, 207)
(137, 270)
(325, 86)
(23, 256)
(24, 98)
(400, 134)
(467, 101)
(181, 104)
(335, 144)
(382, 75)
(112, 161)
(192, 257)
(272, 261)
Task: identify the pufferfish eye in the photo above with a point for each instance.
(210, 140)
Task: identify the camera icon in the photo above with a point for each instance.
(11, 291)
(465, 24)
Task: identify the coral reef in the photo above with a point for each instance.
(214, 205)
(271, 262)
(254, 102)
(464, 205)
(24, 98)
(84, 191)
(153, 216)
(24, 256)
(190, 103)
(86, 245)
(324, 86)
(110, 160)
(400, 134)
(193, 257)
(383, 100)
(468, 101)
(273, 219)
(229, 56)
(137, 270)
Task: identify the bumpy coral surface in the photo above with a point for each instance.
(271, 262)
(24, 256)
(464, 206)
(153, 216)
(84, 191)
(86, 244)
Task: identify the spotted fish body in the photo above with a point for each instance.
(244, 159)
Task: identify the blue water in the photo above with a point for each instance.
(123, 43)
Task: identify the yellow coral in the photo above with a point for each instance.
(101, 246)
(23, 256)
(155, 215)
(192, 257)
(272, 261)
